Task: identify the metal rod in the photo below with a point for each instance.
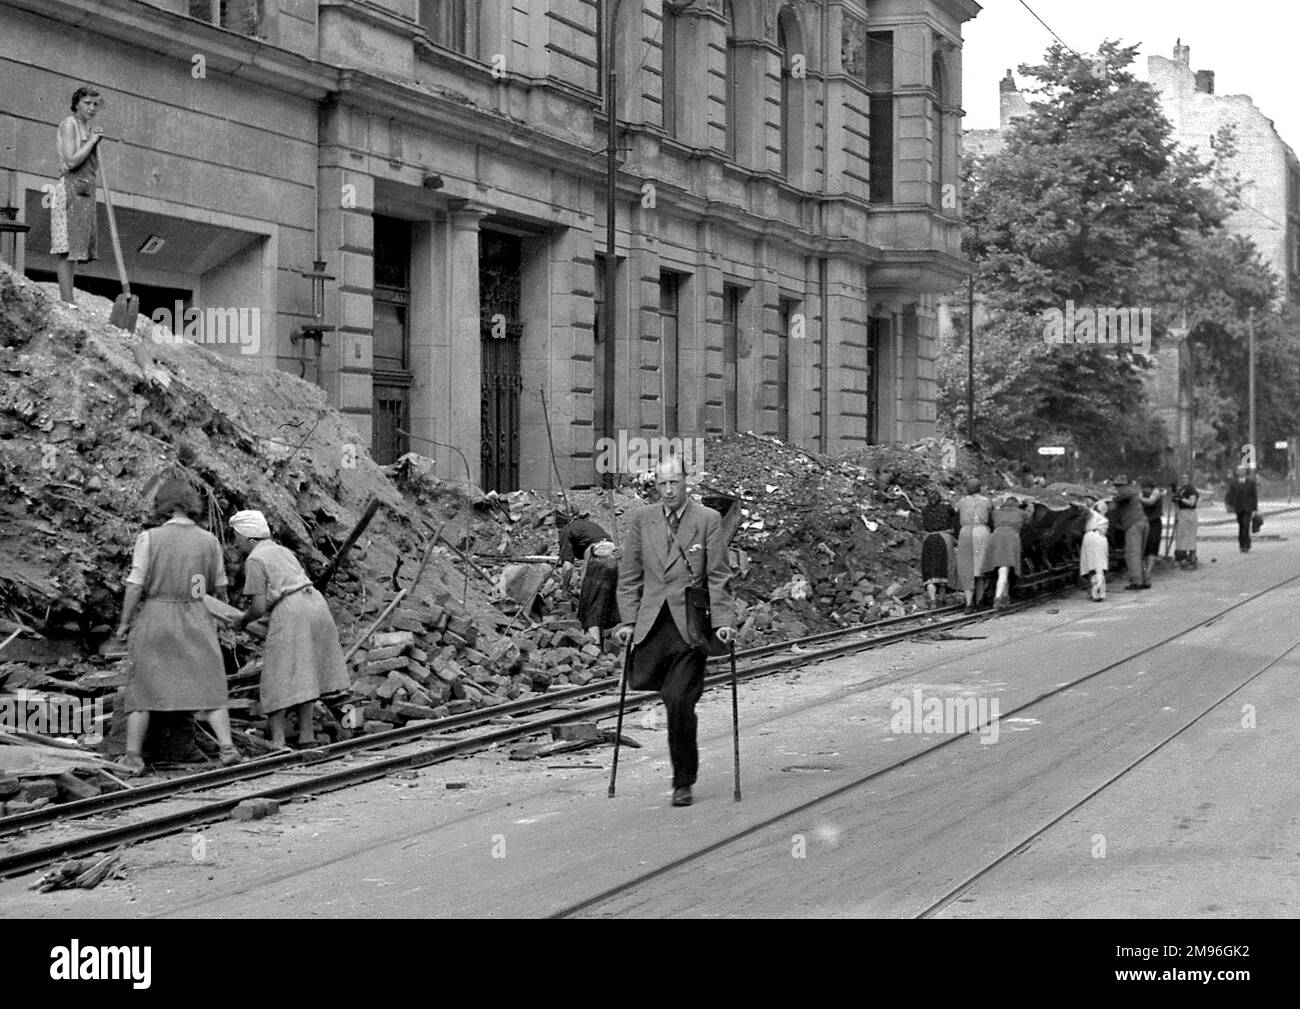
(1250, 330)
(970, 357)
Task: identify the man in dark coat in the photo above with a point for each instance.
(1132, 524)
(668, 547)
(1243, 499)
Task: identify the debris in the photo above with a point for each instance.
(255, 809)
(77, 872)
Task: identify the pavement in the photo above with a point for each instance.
(1135, 759)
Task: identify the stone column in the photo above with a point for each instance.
(347, 199)
(458, 347)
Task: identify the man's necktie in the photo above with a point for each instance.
(674, 520)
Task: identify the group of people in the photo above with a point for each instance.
(171, 634)
(973, 538)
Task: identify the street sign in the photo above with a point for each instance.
(1051, 450)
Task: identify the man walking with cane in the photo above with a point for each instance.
(669, 547)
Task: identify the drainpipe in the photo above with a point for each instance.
(824, 432)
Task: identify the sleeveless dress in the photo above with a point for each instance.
(74, 226)
(302, 660)
(175, 657)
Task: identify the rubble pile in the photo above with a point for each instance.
(827, 541)
(93, 419)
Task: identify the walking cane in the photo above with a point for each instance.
(735, 718)
(622, 698)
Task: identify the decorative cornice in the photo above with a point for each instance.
(167, 33)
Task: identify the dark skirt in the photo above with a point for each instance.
(939, 558)
(1155, 531)
(598, 600)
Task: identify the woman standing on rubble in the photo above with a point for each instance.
(73, 223)
(973, 512)
(176, 662)
(302, 660)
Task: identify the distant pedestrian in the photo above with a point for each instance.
(1186, 522)
(669, 547)
(1131, 521)
(302, 661)
(973, 513)
(176, 662)
(1003, 556)
(939, 548)
(74, 228)
(1242, 499)
(1153, 507)
(1094, 554)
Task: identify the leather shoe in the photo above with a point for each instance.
(682, 796)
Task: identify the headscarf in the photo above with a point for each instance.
(252, 524)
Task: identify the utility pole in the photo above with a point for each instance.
(1250, 332)
(970, 357)
(608, 13)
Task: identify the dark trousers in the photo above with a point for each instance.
(1243, 529)
(1135, 541)
(666, 663)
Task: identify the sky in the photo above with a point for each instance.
(1249, 44)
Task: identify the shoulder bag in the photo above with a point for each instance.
(699, 621)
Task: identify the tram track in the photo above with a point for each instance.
(628, 887)
(573, 704)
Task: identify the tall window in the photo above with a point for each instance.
(783, 51)
(392, 340)
(789, 308)
(451, 23)
(937, 124)
(732, 298)
(732, 84)
(877, 340)
(669, 337)
(670, 86)
(880, 88)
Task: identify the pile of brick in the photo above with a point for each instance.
(434, 662)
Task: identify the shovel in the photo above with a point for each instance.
(126, 309)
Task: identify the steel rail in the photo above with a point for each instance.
(17, 863)
(173, 787)
(880, 772)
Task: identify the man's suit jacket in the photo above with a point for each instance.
(651, 573)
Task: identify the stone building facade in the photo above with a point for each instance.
(785, 206)
(1264, 162)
